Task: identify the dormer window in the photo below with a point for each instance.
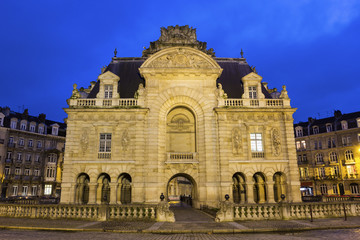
(328, 127)
(23, 126)
(315, 129)
(299, 131)
(344, 125)
(108, 91)
(252, 92)
(13, 124)
(32, 128)
(358, 122)
(55, 130)
(41, 129)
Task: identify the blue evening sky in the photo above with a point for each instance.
(311, 46)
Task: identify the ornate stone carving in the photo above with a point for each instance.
(276, 142)
(219, 92)
(236, 140)
(177, 36)
(125, 140)
(180, 59)
(84, 141)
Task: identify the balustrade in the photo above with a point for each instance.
(104, 103)
(181, 156)
(267, 103)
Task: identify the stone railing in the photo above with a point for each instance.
(90, 212)
(230, 212)
(254, 103)
(103, 103)
(181, 157)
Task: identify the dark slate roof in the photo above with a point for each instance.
(29, 118)
(334, 121)
(128, 71)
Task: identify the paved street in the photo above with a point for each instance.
(39, 235)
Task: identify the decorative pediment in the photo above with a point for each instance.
(180, 60)
(109, 76)
(252, 77)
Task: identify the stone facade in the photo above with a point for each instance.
(209, 120)
(328, 152)
(31, 154)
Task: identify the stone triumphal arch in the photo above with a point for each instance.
(179, 121)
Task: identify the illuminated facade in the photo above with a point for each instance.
(31, 153)
(328, 155)
(179, 112)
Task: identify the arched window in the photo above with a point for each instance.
(333, 157)
(349, 155)
(103, 189)
(299, 131)
(124, 188)
(180, 131)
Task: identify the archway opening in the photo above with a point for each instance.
(239, 188)
(82, 189)
(259, 188)
(124, 188)
(103, 189)
(279, 186)
(181, 190)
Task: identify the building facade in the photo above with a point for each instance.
(179, 111)
(328, 152)
(31, 154)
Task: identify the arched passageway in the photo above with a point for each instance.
(103, 189)
(82, 189)
(239, 188)
(279, 186)
(259, 188)
(181, 189)
(124, 188)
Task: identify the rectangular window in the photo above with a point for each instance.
(350, 169)
(30, 143)
(9, 155)
(41, 130)
(19, 157)
(298, 145)
(21, 142)
(52, 157)
(335, 189)
(303, 144)
(335, 171)
(28, 157)
(315, 145)
(27, 172)
(23, 126)
(15, 190)
(36, 172)
(24, 190)
(32, 128)
(37, 158)
(322, 172)
(105, 142)
(34, 190)
(304, 158)
(17, 171)
(108, 91)
(50, 172)
(354, 188)
(7, 171)
(256, 142)
(252, 92)
(333, 143)
(39, 144)
(11, 140)
(55, 131)
(328, 128)
(47, 189)
(323, 189)
(320, 145)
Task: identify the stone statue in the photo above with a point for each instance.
(125, 140)
(140, 91)
(236, 141)
(284, 93)
(220, 92)
(75, 92)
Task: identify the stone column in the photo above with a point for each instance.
(98, 193)
(113, 193)
(270, 193)
(261, 192)
(92, 193)
(250, 192)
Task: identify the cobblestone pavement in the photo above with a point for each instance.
(39, 235)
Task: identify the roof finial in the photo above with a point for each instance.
(115, 52)
(242, 53)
